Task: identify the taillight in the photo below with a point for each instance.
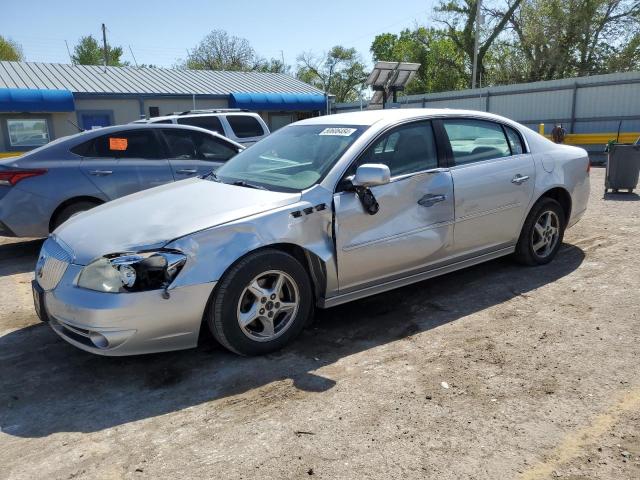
(588, 166)
(11, 177)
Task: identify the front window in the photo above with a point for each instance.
(291, 159)
(28, 132)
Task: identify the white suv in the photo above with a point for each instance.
(245, 128)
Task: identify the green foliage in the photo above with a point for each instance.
(459, 17)
(10, 50)
(88, 52)
(340, 72)
(560, 39)
(442, 65)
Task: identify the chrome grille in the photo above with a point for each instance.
(52, 263)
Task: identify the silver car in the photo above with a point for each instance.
(324, 211)
(45, 187)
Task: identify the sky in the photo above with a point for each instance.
(161, 32)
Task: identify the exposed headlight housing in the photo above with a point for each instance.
(132, 272)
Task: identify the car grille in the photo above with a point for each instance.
(52, 263)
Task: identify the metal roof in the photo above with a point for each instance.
(131, 80)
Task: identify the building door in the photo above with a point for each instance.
(89, 121)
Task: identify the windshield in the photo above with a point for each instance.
(291, 159)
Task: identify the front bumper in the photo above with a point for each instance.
(117, 324)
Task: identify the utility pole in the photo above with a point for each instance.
(476, 43)
(134, 57)
(104, 46)
(69, 53)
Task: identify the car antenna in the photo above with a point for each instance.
(75, 125)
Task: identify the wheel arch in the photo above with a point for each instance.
(312, 263)
(71, 201)
(562, 196)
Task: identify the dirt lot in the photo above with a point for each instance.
(495, 372)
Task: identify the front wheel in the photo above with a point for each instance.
(261, 304)
(541, 234)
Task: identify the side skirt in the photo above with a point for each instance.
(418, 277)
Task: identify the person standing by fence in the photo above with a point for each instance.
(558, 133)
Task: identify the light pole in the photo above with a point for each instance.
(476, 43)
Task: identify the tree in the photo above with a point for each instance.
(221, 51)
(10, 50)
(582, 37)
(88, 52)
(340, 72)
(460, 16)
(273, 66)
(442, 64)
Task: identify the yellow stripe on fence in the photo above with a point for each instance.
(10, 154)
(598, 138)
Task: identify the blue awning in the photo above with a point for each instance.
(278, 101)
(28, 100)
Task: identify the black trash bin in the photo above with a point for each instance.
(623, 167)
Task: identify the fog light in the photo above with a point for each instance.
(99, 340)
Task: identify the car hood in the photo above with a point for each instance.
(151, 218)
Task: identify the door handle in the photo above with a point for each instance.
(100, 173)
(430, 200)
(519, 179)
(186, 171)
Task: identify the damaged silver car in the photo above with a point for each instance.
(324, 211)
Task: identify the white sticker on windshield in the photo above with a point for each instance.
(338, 132)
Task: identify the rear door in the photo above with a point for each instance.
(194, 153)
(125, 162)
(493, 178)
(414, 225)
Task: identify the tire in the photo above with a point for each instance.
(247, 316)
(540, 241)
(71, 210)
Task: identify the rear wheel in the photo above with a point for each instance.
(71, 211)
(541, 234)
(261, 304)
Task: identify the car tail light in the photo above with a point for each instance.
(588, 166)
(11, 177)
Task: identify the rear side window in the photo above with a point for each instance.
(206, 122)
(130, 144)
(515, 142)
(245, 126)
(213, 149)
(475, 140)
(181, 144)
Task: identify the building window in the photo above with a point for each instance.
(27, 132)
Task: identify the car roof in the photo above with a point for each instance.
(390, 116)
(89, 134)
(195, 114)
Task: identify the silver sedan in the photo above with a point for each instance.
(322, 212)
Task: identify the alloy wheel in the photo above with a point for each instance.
(546, 233)
(268, 305)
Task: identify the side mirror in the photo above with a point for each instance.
(371, 174)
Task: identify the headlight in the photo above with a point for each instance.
(132, 272)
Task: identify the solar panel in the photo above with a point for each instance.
(390, 77)
(392, 74)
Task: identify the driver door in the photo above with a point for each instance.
(414, 225)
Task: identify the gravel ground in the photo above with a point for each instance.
(494, 372)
